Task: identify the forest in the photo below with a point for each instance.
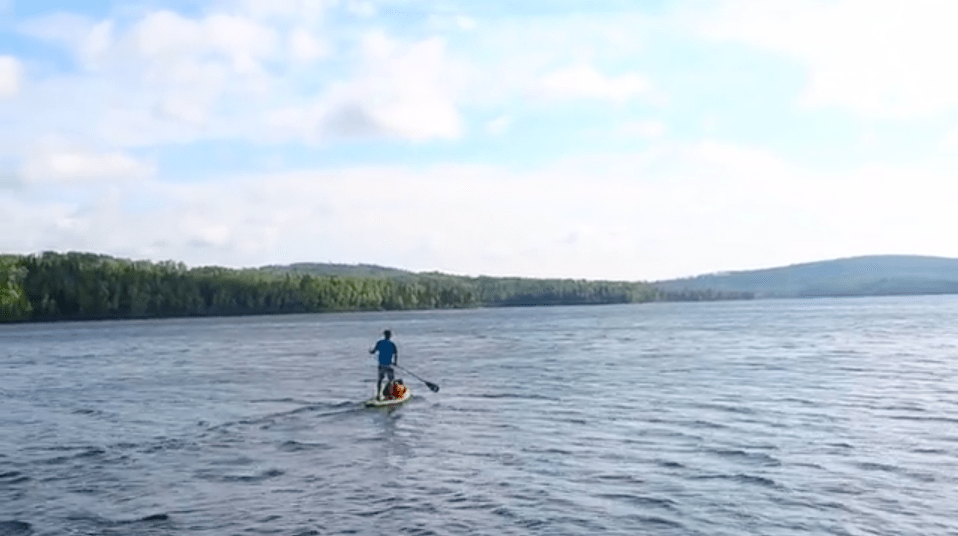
(84, 286)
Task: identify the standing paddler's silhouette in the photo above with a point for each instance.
(388, 356)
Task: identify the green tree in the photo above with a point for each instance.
(14, 305)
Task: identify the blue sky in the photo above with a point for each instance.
(601, 140)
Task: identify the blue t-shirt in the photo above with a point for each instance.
(386, 349)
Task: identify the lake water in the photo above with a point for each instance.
(779, 417)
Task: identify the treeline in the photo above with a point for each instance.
(82, 286)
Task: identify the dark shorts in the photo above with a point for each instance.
(386, 370)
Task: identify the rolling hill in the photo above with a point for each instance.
(876, 275)
(341, 270)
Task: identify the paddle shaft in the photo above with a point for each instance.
(432, 387)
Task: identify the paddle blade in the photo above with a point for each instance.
(432, 387)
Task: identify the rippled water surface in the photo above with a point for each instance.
(831, 416)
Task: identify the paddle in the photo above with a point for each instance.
(432, 387)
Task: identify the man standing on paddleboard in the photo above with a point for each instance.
(388, 356)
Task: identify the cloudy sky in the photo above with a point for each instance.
(608, 139)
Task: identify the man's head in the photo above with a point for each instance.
(387, 334)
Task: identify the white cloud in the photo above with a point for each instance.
(65, 166)
(642, 129)
(244, 41)
(499, 125)
(672, 210)
(167, 33)
(400, 90)
(305, 12)
(11, 73)
(466, 24)
(397, 89)
(361, 8)
(59, 27)
(502, 60)
(96, 43)
(166, 36)
(247, 72)
(305, 48)
(278, 71)
(582, 81)
(163, 77)
(89, 41)
(879, 58)
(950, 141)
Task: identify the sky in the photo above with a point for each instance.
(608, 139)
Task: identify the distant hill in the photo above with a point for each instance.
(877, 275)
(341, 270)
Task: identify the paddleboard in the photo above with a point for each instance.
(376, 403)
